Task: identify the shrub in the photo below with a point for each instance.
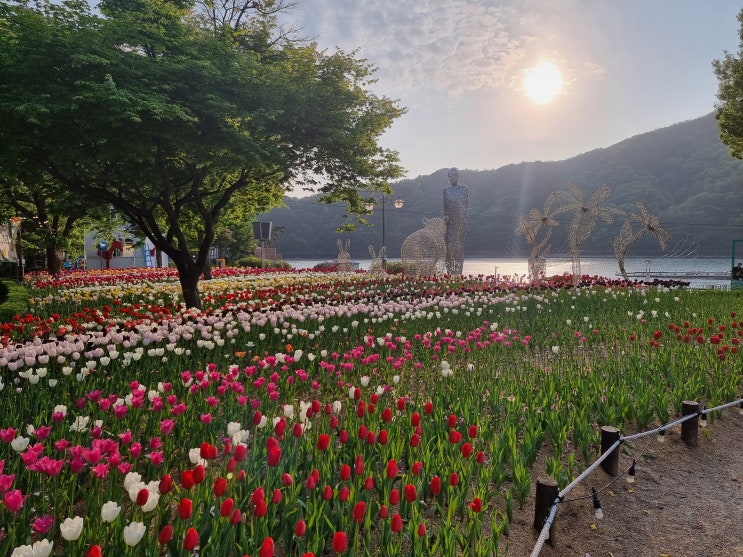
(13, 300)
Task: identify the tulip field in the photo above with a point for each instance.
(307, 413)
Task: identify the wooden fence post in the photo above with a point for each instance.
(547, 491)
(690, 428)
(609, 435)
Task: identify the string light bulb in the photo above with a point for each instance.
(702, 418)
(597, 512)
(631, 473)
(661, 436)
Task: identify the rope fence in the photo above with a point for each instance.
(609, 460)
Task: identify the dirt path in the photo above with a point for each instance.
(685, 502)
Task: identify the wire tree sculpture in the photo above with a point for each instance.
(650, 224)
(585, 215)
(530, 227)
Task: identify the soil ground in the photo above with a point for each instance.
(685, 502)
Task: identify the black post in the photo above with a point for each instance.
(547, 491)
(690, 428)
(609, 435)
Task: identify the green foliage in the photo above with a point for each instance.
(255, 263)
(730, 96)
(13, 300)
(185, 121)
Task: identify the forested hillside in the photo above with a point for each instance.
(682, 173)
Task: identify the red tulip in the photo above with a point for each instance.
(323, 442)
(266, 548)
(415, 419)
(198, 474)
(428, 408)
(454, 437)
(416, 468)
(297, 429)
(359, 512)
(142, 496)
(191, 539)
(359, 465)
(260, 509)
(94, 551)
(220, 485)
(384, 512)
(343, 494)
(452, 422)
(410, 493)
(345, 472)
(185, 507)
(394, 497)
(401, 404)
(370, 438)
(327, 493)
(467, 450)
(287, 479)
(236, 517)
(415, 440)
(259, 494)
(240, 452)
(387, 414)
(187, 480)
(166, 534)
(369, 483)
(435, 485)
(476, 505)
(480, 457)
(383, 438)
(453, 479)
(300, 529)
(472, 431)
(277, 496)
(274, 456)
(257, 416)
(166, 484)
(343, 436)
(340, 542)
(422, 529)
(391, 468)
(396, 522)
(226, 507)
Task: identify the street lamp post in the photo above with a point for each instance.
(397, 204)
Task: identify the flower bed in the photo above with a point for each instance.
(312, 413)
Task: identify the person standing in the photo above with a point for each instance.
(456, 201)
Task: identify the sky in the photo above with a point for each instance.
(458, 66)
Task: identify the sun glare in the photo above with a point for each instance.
(543, 82)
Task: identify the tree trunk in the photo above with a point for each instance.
(53, 260)
(189, 279)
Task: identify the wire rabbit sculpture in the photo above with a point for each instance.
(377, 263)
(344, 257)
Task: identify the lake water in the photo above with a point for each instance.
(601, 266)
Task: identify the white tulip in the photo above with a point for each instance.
(71, 528)
(133, 533)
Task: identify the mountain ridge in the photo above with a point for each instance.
(682, 173)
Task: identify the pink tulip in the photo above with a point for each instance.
(13, 500)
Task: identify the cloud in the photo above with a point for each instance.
(455, 46)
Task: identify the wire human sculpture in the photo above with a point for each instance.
(424, 252)
(456, 200)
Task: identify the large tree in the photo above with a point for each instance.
(729, 113)
(167, 115)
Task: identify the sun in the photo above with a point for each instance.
(543, 82)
